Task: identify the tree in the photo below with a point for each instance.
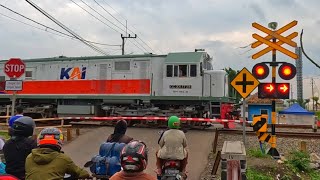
(316, 99)
(306, 104)
(232, 92)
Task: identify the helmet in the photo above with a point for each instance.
(23, 126)
(134, 156)
(173, 122)
(50, 137)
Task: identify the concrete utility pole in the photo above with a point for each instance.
(312, 94)
(299, 75)
(124, 37)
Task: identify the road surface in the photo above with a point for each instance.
(199, 143)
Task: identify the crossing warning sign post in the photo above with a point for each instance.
(14, 68)
(274, 40)
(244, 83)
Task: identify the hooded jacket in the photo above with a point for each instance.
(45, 163)
(119, 133)
(15, 152)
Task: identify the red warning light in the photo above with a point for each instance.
(260, 71)
(287, 71)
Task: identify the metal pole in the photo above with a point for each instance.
(13, 102)
(273, 151)
(244, 121)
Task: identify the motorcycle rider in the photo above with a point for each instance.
(48, 161)
(19, 146)
(173, 143)
(119, 134)
(134, 160)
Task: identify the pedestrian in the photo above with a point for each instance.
(119, 134)
(19, 113)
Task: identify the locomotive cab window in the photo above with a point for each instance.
(183, 71)
(169, 71)
(193, 70)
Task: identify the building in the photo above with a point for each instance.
(256, 106)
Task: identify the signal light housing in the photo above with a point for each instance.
(287, 71)
(260, 71)
(274, 90)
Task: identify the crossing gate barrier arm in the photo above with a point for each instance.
(153, 118)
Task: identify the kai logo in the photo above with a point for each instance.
(73, 73)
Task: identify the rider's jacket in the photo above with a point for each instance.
(15, 152)
(132, 176)
(172, 145)
(46, 163)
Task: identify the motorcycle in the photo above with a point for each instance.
(171, 169)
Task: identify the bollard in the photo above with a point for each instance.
(233, 161)
(69, 135)
(315, 125)
(215, 141)
(303, 146)
(78, 132)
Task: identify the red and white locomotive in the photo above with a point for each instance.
(182, 83)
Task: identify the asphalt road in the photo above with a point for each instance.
(199, 145)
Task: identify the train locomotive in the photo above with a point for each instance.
(179, 83)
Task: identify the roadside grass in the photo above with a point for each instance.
(256, 152)
(5, 135)
(299, 162)
(253, 174)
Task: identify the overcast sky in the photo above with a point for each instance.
(221, 27)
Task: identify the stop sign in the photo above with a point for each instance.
(14, 68)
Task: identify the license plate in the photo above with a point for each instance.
(171, 171)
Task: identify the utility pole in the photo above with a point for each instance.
(312, 94)
(124, 37)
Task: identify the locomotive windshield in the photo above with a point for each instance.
(182, 70)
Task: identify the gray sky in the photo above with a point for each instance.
(220, 27)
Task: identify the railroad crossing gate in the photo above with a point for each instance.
(244, 83)
(273, 45)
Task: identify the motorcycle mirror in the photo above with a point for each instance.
(88, 164)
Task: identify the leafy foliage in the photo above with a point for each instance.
(299, 161)
(232, 92)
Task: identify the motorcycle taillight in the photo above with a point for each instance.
(171, 164)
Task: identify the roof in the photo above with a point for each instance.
(254, 99)
(296, 109)
(63, 58)
(184, 57)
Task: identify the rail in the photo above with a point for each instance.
(279, 133)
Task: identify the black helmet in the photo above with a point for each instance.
(134, 156)
(23, 126)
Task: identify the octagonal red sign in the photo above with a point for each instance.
(14, 68)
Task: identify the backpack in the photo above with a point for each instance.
(107, 162)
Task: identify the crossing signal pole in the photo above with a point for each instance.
(286, 71)
(125, 37)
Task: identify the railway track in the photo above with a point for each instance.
(278, 134)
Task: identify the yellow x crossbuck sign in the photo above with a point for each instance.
(276, 45)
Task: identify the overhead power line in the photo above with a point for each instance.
(317, 65)
(145, 50)
(67, 29)
(122, 23)
(47, 27)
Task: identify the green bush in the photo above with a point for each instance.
(299, 161)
